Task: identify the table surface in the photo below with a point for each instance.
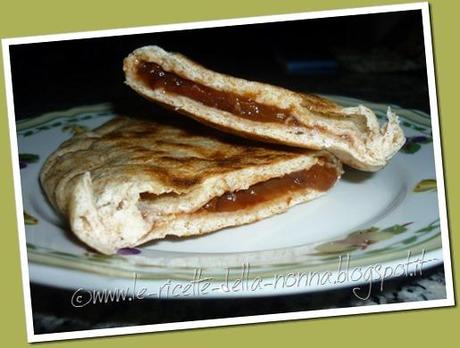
(53, 312)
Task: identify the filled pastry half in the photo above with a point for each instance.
(262, 111)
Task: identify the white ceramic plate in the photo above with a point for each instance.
(368, 227)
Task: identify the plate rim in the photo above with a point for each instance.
(415, 116)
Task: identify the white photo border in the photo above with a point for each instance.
(449, 301)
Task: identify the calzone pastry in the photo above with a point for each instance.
(263, 112)
(132, 180)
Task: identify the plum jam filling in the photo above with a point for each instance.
(154, 76)
(318, 177)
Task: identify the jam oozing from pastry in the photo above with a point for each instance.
(318, 177)
(246, 107)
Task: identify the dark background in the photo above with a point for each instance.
(378, 57)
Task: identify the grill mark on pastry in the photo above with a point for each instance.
(185, 182)
(317, 103)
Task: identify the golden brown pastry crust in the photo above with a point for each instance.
(96, 179)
